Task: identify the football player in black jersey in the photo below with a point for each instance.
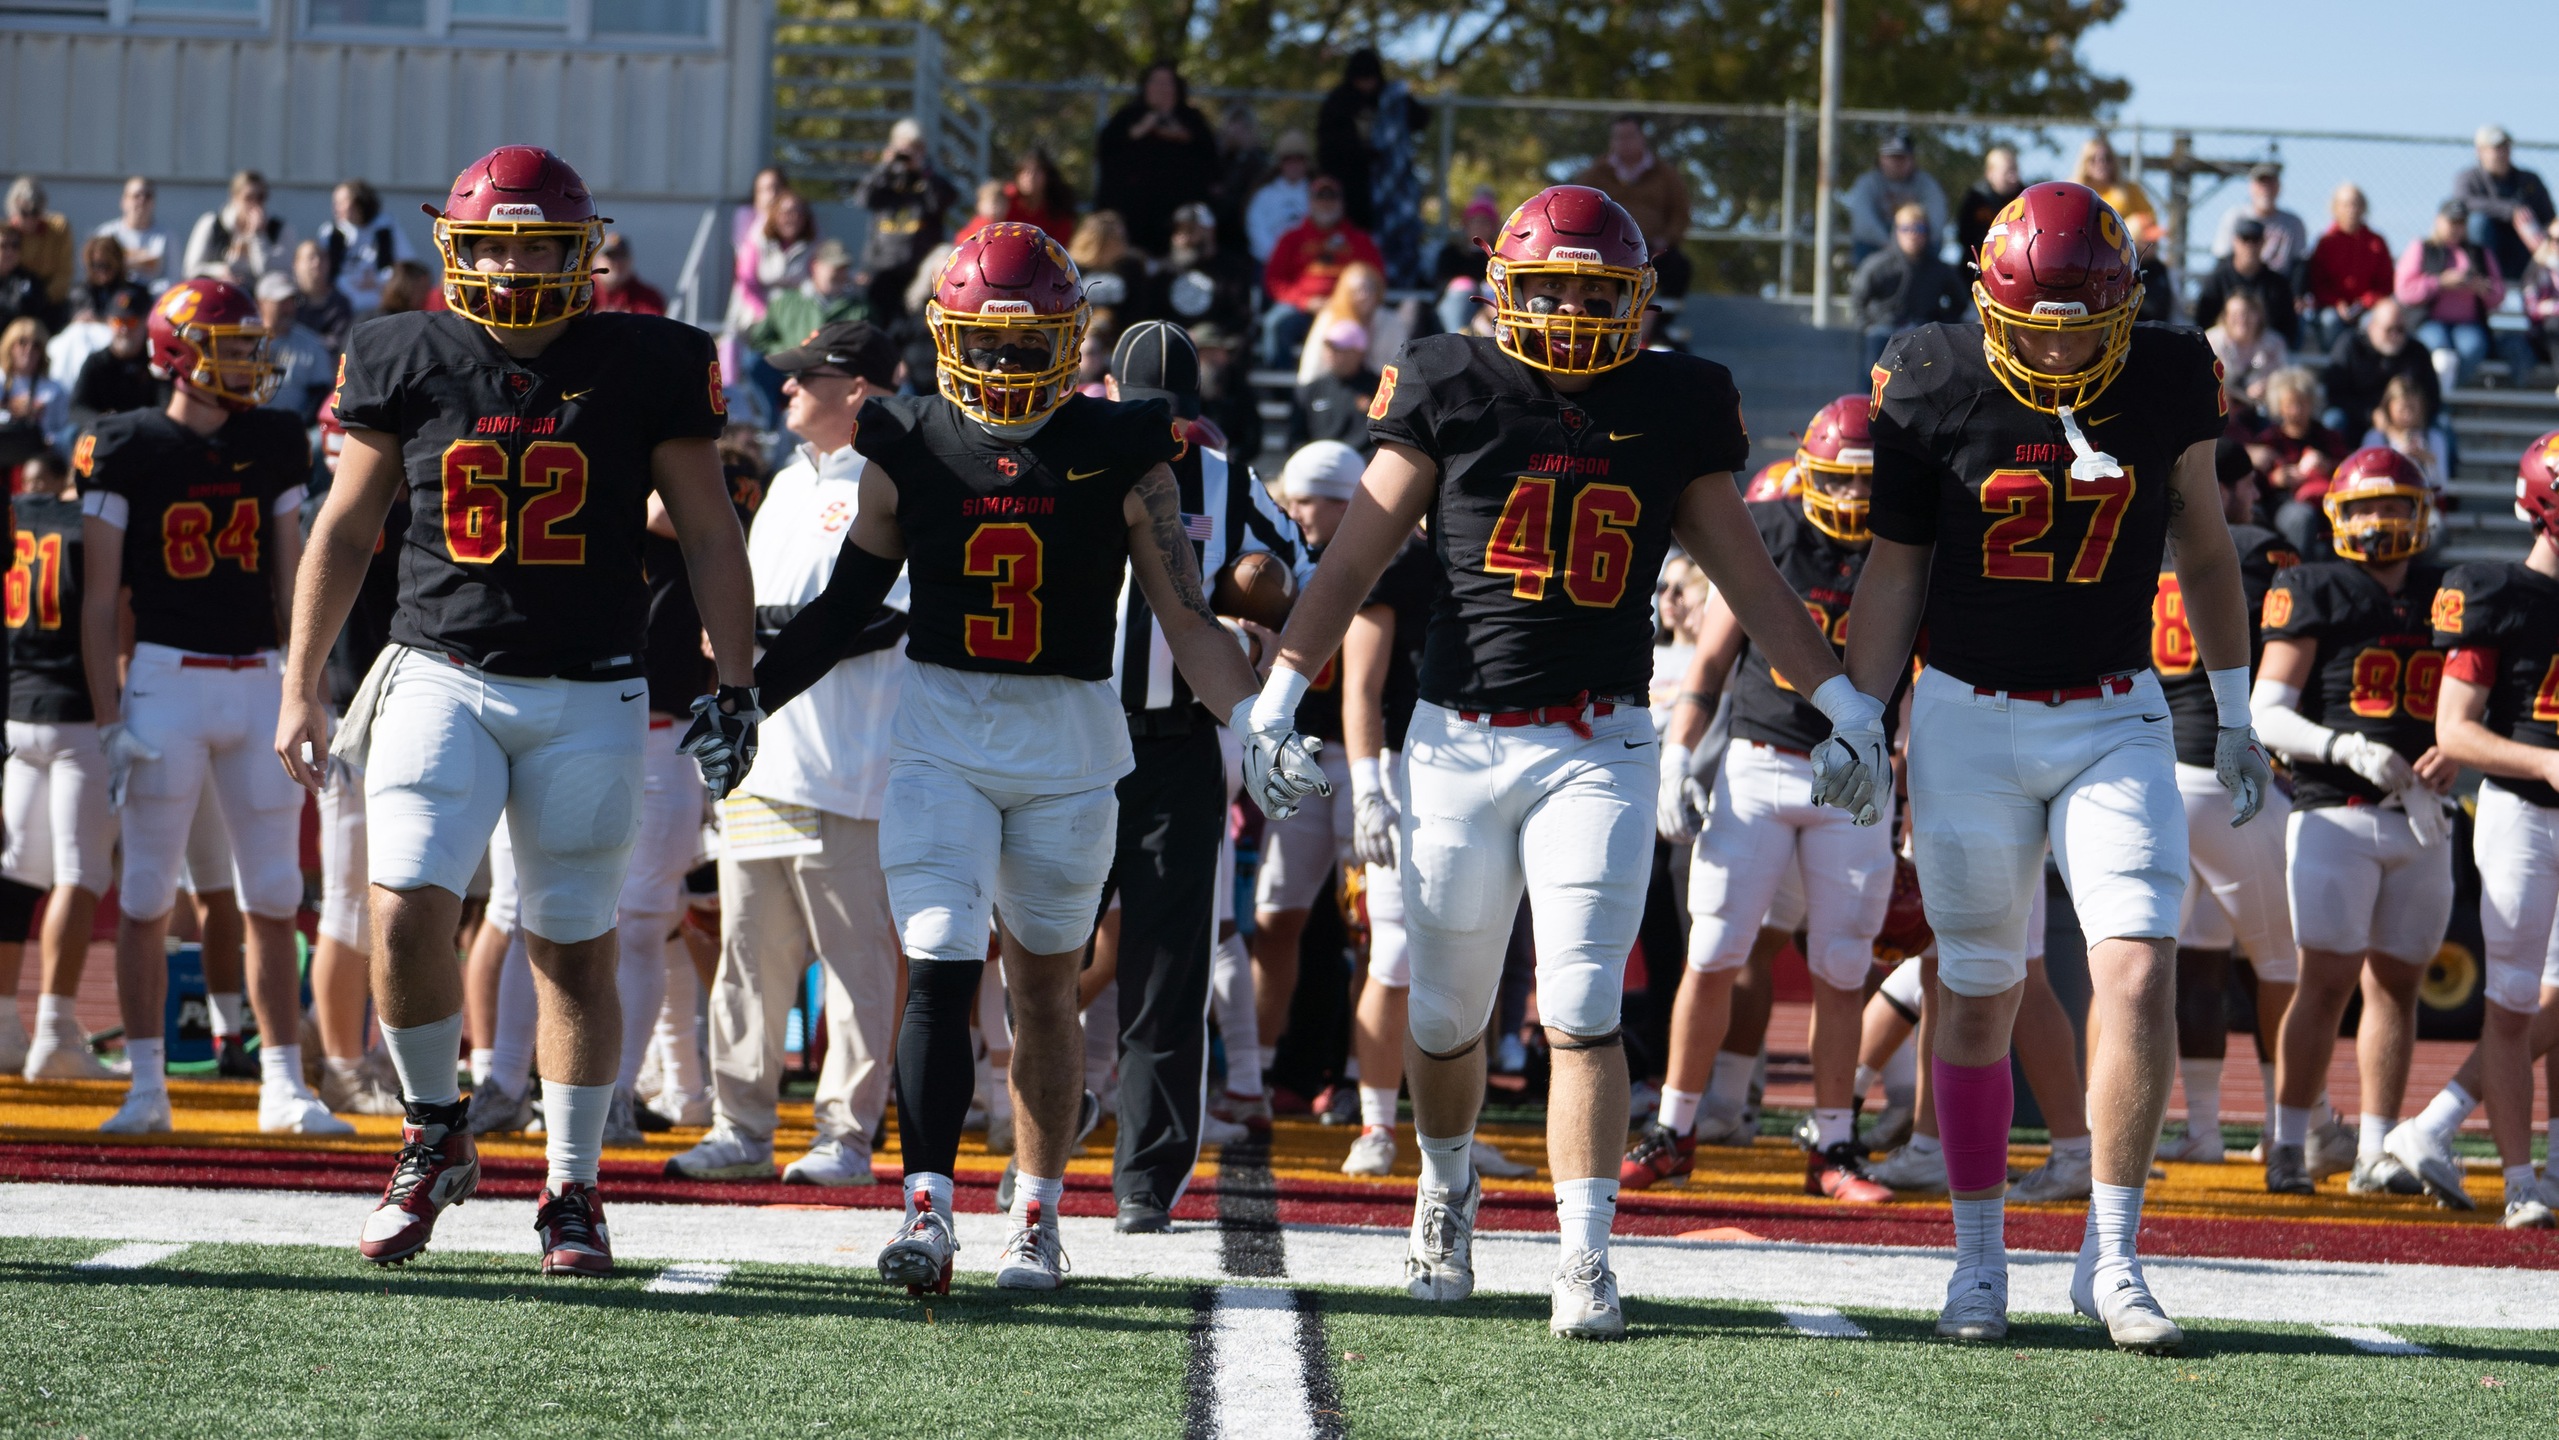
(1553, 461)
(60, 845)
(2235, 896)
(196, 508)
(1018, 507)
(2348, 691)
(2029, 469)
(2498, 712)
(530, 435)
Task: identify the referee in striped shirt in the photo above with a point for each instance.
(1173, 805)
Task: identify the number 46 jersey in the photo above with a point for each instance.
(528, 479)
(2040, 581)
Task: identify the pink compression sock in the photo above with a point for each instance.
(1975, 1104)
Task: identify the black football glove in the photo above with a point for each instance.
(722, 737)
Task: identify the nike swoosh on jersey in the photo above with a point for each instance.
(239, 465)
(568, 395)
(1630, 435)
(1084, 474)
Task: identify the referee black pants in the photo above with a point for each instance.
(1165, 874)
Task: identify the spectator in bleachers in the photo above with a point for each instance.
(2245, 271)
(1334, 404)
(1226, 392)
(1907, 286)
(1985, 197)
(1880, 193)
(117, 376)
(1155, 155)
(1242, 161)
(2293, 445)
(1282, 201)
(1114, 272)
(44, 237)
(2451, 284)
(362, 246)
(2362, 364)
(2287, 240)
(305, 368)
(102, 280)
(2406, 423)
(30, 399)
(1359, 296)
(324, 309)
(618, 286)
(241, 241)
(1342, 134)
(2158, 283)
(2248, 348)
(1200, 281)
(777, 254)
(769, 182)
(2541, 294)
(990, 208)
(1306, 264)
(2349, 270)
(1036, 195)
(2506, 207)
(1395, 185)
(412, 286)
(1653, 192)
(1459, 270)
(907, 198)
(21, 289)
(2099, 170)
(828, 297)
(136, 228)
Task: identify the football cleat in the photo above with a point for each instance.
(51, 1059)
(1840, 1174)
(358, 1092)
(1910, 1170)
(496, 1112)
(1891, 1128)
(1439, 1254)
(1253, 1112)
(920, 1257)
(724, 1154)
(2383, 1175)
(1337, 1105)
(2125, 1306)
(2546, 1189)
(438, 1167)
(1373, 1153)
(1738, 1130)
(2331, 1150)
(144, 1112)
(1976, 1305)
(2061, 1177)
(834, 1163)
(1142, 1215)
(233, 1059)
(2288, 1172)
(2422, 1154)
(1086, 1118)
(1032, 1258)
(288, 1109)
(1585, 1299)
(573, 1238)
(1657, 1158)
(2195, 1147)
(2529, 1212)
(1489, 1160)
(1216, 1131)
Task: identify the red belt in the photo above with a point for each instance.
(1784, 749)
(222, 662)
(661, 722)
(1568, 715)
(2110, 685)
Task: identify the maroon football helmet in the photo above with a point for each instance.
(1569, 230)
(2378, 472)
(1008, 316)
(1905, 931)
(206, 339)
(2057, 261)
(2537, 485)
(1775, 481)
(521, 191)
(1836, 448)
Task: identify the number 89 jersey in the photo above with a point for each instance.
(528, 479)
(198, 514)
(2040, 581)
(2377, 671)
(1553, 512)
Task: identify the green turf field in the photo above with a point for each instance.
(253, 1341)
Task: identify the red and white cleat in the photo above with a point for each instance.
(1657, 1157)
(438, 1166)
(571, 1226)
(1840, 1174)
(920, 1257)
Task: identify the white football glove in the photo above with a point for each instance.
(123, 748)
(2386, 768)
(1679, 808)
(2427, 818)
(2240, 764)
(1373, 817)
(1279, 763)
(1855, 762)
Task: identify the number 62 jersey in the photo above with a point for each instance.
(528, 480)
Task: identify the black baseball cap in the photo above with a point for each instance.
(855, 346)
(127, 302)
(1155, 360)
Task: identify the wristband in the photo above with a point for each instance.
(2230, 696)
(1276, 707)
(1364, 778)
(1846, 706)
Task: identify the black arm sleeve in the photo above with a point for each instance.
(813, 640)
(886, 628)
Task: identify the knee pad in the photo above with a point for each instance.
(1445, 1023)
(1458, 1053)
(271, 885)
(17, 911)
(1615, 1039)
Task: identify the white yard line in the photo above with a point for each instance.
(689, 1279)
(1821, 1322)
(1258, 1373)
(2373, 1340)
(130, 1257)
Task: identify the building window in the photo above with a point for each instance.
(225, 9)
(549, 14)
(378, 14)
(652, 17)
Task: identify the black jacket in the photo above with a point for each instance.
(2358, 373)
(1147, 179)
(1894, 291)
(2273, 292)
(1331, 408)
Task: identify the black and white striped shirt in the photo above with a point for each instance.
(1227, 513)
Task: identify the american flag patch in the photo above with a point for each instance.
(1198, 527)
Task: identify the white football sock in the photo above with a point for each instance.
(1925, 1144)
(1445, 1162)
(1679, 1110)
(1901, 1075)
(1831, 1126)
(423, 1056)
(2292, 1125)
(511, 1049)
(2519, 1181)
(482, 1061)
(1729, 1091)
(55, 1017)
(150, 1068)
(1584, 1209)
(2202, 1079)
(2074, 1147)
(1029, 1189)
(1867, 1075)
(1377, 1107)
(2114, 1219)
(2370, 1132)
(1980, 1233)
(226, 1007)
(933, 1190)
(282, 1065)
(2443, 1114)
(573, 1119)
(342, 1067)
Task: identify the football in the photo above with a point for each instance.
(1255, 586)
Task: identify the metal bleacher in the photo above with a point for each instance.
(2491, 428)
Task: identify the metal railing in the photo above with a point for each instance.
(840, 83)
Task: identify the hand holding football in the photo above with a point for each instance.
(1255, 586)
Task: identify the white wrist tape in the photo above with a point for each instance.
(1364, 777)
(1846, 706)
(1277, 704)
(2230, 696)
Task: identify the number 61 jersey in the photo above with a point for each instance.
(2040, 581)
(528, 479)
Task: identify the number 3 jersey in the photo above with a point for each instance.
(199, 514)
(528, 479)
(2376, 672)
(1552, 512)
(2500, 623)
(2040, 581)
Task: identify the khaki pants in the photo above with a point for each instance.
(773, 914)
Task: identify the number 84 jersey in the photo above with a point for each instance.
(2040, 580)
(528, 479)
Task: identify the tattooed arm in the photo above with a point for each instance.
(1169, 575)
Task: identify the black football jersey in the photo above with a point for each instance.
(2263, 554)
(2510, 615)
(377, 601)
(1411, 587)
(2377, 671)
(46, 680)
(200, 520)
(1319, 711)
(679, 672)
(1553, 512)
(528, 479)
(1823, 574)
(2040, 581)
(1015, 550)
